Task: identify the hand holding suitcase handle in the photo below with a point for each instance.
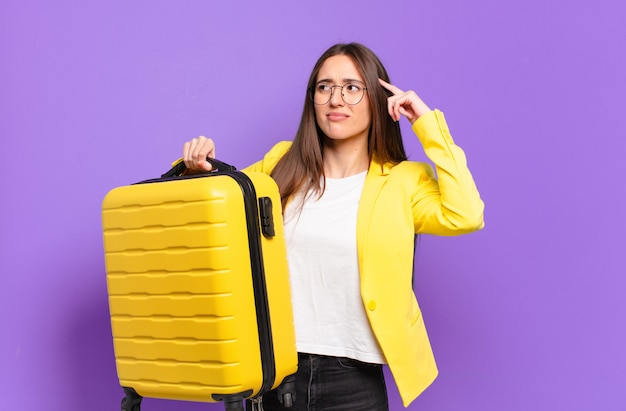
(180, 168)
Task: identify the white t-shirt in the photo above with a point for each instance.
(330, 318)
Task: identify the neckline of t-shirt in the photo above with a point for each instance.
(353, 176)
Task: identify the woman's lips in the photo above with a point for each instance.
(334, 116)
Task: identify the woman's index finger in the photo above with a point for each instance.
(390, 87)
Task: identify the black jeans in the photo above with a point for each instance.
(334, 383)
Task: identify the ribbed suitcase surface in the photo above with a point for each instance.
(184, 304)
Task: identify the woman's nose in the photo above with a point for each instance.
(336, 98)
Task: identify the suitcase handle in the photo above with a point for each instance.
(179, 168)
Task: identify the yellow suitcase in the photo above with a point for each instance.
(198, 287)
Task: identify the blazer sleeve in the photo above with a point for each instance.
(269, 161)
(448, 204)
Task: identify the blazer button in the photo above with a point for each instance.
(371, 305)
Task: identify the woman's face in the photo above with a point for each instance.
(337, 119)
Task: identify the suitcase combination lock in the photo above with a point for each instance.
(267, 218)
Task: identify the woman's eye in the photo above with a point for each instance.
(353, 88)
(323, 88)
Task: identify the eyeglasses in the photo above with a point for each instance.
(351, 93)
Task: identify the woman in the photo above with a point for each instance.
(352, 205)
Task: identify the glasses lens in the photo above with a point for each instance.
(352, 93)
(321, 94)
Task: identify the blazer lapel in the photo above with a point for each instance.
(374, 182)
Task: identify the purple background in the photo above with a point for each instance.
(529, 314)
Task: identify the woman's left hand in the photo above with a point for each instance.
(404, 103)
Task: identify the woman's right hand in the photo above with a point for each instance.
(195, 153)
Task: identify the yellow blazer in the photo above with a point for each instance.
(399, 201)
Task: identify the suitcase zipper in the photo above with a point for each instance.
(266, 343)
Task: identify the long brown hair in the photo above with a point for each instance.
(301, 168)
